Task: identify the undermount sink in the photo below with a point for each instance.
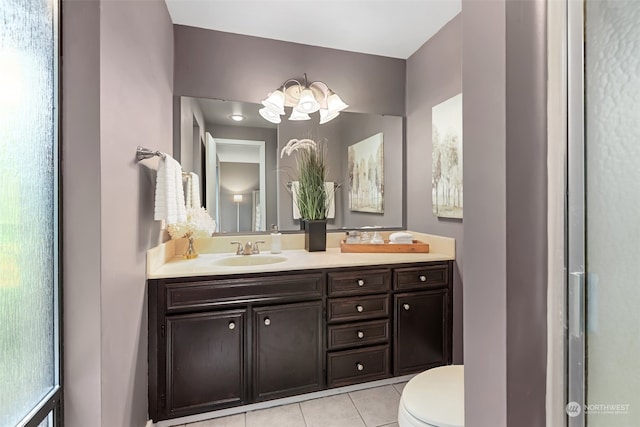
(249, 260)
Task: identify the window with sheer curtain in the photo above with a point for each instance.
(29, 298)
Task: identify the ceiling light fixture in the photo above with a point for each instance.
(237, 117)
(305, 99)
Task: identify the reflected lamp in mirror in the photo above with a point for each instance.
(305, 99)
(238, 199)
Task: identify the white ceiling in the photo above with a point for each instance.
(393, 28)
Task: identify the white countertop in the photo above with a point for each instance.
(163, 261)
(296, 259)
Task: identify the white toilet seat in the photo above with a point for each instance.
(434, 398)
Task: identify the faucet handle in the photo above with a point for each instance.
(248, 249)
(239, 250)
(256, 249)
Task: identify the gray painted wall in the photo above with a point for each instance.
(81, 255)
(118, 70)
(485, 214)
(526, 162)
(434, 74)
(213, 64)
(504, 80)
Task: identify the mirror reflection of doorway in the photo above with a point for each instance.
(239, 190)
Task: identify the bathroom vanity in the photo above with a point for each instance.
(232, 337)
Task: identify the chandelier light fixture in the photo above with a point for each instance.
(305, 99)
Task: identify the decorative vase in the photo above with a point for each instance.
(315, 235)
(191, 251)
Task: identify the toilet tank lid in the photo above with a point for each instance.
(436, 396)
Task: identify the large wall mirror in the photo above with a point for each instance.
(245, 182)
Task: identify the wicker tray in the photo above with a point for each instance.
(416, 247)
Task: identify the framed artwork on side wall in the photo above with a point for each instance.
(446, 178)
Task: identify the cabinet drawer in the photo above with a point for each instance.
(355, 366)
(422, 277)
(358, 334)
(359, 282)
(225, 291)
(358, 308)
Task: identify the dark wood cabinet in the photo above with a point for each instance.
(288, 349)
(209, 350)
(222, 341)
(423, 316)
(421, 331)
(205, 361)
(358, 350)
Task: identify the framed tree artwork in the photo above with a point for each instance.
(366, 175)
(446, 179)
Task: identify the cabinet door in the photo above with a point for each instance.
(205, 361)
(287, 349)
(421, 331)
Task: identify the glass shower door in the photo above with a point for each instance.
(604, 274)
(30, 378)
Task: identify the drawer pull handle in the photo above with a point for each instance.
(406, 307)
(360, 334)
(359, 366)
(360, 282)
(359, 308)
(423, 278)
(267, 321)
(232, 325)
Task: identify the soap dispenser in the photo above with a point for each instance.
(276, 240)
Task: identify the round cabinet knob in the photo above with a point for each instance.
(359, 308)
(360, 282)
(232, 325)
(423, 278)
(267, 321)
(360, 334)
(359, 366)
(406, 306)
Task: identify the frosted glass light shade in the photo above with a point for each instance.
(269, 115)
(308, 103)
(237, 198)
(275, 102)
(335, 103)
(297, 115)
(327, 116)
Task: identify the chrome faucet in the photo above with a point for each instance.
(248, 248)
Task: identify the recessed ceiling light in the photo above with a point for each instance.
(237, 117)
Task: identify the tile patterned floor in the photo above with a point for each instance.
(375, 407)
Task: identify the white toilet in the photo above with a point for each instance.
(434, 398)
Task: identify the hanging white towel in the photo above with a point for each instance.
(329, 189)
(169, 200)
(294, 192)
(193, 191)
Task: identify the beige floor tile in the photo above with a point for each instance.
(332, 411)
(230, 421)
(400, 387)
(391, 425)
(377, 406)
(279, 416)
